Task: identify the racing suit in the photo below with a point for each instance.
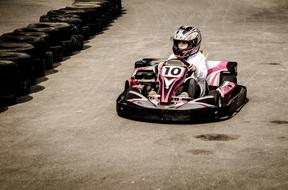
(198, 77)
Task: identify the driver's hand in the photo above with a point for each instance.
(192, 68)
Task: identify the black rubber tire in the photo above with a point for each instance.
(49, 60)
(140, 63)
(52, 32)
(8, 82)
(41, 47)
(86, 16)
(127, 85)
(39, 43)
(64, 31)
(228, 77)
(96, 12)
(85, 31)
(74, 20)
(217, 98)
(232, 67)
(57, 52)
(37, 66)
(100, 15)
(67, 47)
(24, 64)
(77, 42)
(38, 34)
(119, 7)
(17, 47)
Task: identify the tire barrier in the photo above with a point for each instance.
(28, 52)
(39, 43)
(8, 79)
(77, 27)
(43, 49)
(37, 67)
(23, 61)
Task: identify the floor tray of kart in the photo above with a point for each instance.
(154, 92)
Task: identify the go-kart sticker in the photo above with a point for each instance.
(172, 71)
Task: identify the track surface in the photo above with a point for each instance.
(67, 135)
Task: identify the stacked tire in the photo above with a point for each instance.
(24, 70)
(8, 82)
(42, 57)
(27, 53)
(78, 31)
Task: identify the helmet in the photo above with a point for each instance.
(190, 35)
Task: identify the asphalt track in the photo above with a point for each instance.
(67, 135)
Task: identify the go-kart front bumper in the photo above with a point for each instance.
(163, 115)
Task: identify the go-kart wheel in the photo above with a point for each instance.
(140, 63)
(127, 85)
(228, 77)
(145, 62)
(217, 98)
(149, 75)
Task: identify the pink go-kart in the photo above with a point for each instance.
(153, 92)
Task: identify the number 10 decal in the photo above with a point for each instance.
(172, 71)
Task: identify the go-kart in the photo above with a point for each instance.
(153, 92)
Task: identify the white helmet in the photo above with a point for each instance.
(190, 35)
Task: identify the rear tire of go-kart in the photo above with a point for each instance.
(228, 77)
(217, 98)
(24, 64)
(8, 81)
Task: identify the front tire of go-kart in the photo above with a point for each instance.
(140, 63)
(127, 85)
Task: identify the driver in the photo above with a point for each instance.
(186, 46)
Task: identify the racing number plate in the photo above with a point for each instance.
(172, 71)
